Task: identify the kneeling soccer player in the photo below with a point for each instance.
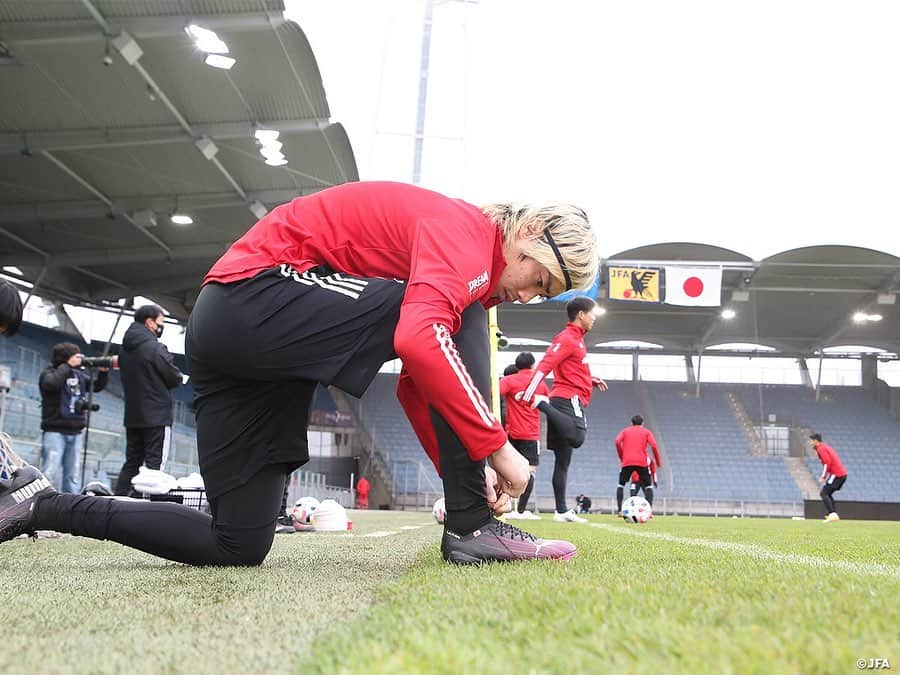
(325, 289)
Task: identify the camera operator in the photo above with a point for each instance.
(148, 375)
(64, 387)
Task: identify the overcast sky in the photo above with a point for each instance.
(758, 126)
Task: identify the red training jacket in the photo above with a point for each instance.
(446, 250)
(631, 445)
(830, 459)
(567, 358)
(522, 421)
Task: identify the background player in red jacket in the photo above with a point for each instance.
(569, 397)
(325, 289)
(523, 424)
(362, 493)
(833, 477)
(631, 446)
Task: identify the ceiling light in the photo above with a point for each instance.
(270, 153)
(276, 162)
(266, 135)
(181, 218)
(875, 317)
(272, 145)
(217, 61)
(599, 310)
(207, 40)
(728, 314)
(887, 298)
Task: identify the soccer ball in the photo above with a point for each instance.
(439, 511)
(303, 510)
(636, 510)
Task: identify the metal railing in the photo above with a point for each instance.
(308, 484)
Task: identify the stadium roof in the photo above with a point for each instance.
(797, 302)
(110, 121)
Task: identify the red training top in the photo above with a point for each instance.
(567, 358)
(446, 250)
(522, 421)
(830, 459)
(631, 444)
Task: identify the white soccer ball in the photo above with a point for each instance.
(439, 511)
(636, 510)
(304, 509)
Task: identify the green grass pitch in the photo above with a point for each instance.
(678, 595)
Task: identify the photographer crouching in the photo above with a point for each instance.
(148, 374)
(64, 388)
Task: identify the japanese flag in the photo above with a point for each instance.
(694, 286)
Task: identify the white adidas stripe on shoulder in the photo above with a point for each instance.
(448, 349)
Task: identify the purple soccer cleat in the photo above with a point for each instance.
(502, 542)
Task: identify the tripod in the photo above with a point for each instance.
(87, 420)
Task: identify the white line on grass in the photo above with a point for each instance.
(763, 553)
(381, 533)
(411, 527)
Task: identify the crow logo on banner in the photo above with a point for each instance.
(635, 284)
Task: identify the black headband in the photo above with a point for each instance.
(559, 259)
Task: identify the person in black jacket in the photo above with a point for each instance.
(148, 374)
(64, 387)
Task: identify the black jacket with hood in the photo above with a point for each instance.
(148, 373)
(62, 387)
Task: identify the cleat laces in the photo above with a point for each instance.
(506, 530)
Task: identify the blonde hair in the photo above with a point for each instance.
(569, 230)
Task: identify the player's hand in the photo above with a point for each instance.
(538, 399)
(600, 384)
(498, 502)
(512, 470)
(821, 480)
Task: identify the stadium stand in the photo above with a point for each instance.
(706, 454)
(865, 435)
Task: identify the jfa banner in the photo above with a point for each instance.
(635, 284)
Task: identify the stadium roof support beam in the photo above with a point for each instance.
(116, 256)
(38, 212)
(131, 53)
(102, 197)
(18, 142)
(46, 257)
(889, 284)
(83, 30)
(165, 285)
